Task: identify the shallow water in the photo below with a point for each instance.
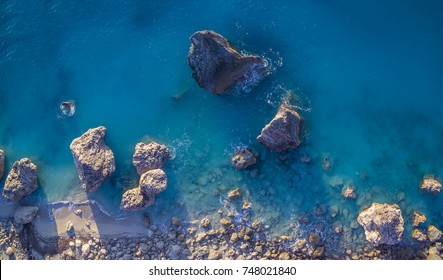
(367, 77)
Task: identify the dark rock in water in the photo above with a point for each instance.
(243, 158)
(21, 180)
(68, 108)
(383, 224)
(434, 234)
(282, 133)
(25, 214)
(216, 66)
(93, 158)
(2, 164)
(430, 185)
(153, 182)
(149, 156)
(135, 200)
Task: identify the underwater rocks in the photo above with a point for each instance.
(93, 158)
(135, 200)
(2, 164)
(25, 214)
(348, 192)
(68, 108)
(383, 224)
(217, 66)
(243, 158)
(21, 180)
(282, 132)
(153, 182)
(149, 156)
(430, 185)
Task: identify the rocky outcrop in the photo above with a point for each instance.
(383, 224)
(282, 133)
(153, 182)
(135, 200)
(434, 234)
(243, 158)
(21, 180)
(25, 214)
(149, 156)
(2, 164)
(217, 66)
(93, 158)
(430, 185)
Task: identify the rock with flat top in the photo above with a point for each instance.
(25, 214)
(149, 156)
(383, 224)
(430, 185)
(217, 66)
(93, 158)
(21, 180)
(282, 133)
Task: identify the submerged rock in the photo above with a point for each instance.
(418, 218)
(234, 194)
(434, 234)
(217, 66)
(348, 192)
(68, 108)
(25, 214)
(93, 158)
(135, 200)
(149, 156)
(21, 180)
(430, 185)
(282, 132)
(153, 182)
(2, 164)
(383, 224)
(243, 158)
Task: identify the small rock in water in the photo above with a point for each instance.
(234, 194)
(2, 163)
(327, 162)
(204, 223)
(21, 180)
(430, 185)
(243, 158)
(418, 218)
(9, 251)
(434, 234)
(333, 211)
(68, 108)
(348, 192)
(419, 235)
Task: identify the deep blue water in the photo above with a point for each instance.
(367, 74)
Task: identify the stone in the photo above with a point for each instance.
(314, 238)
(149, 156)
(25, 214)
(69, 227)
(430, 185)
(348, 192)
(284, 256)
(243, 158)
(204, 223)
(434, 234)
(135, 200)
(214, 255)
(234, 194)
(9, 251)
(78, 212)
(383, 224)
(93, 159)
(419, 235)
(86, 249)
(67, 108)
(21, 180)
(282, 133)
(418, 218)
(153, 182)
(327, 162)
(2, 164)
(217, 66)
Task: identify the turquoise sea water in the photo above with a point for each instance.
(367, 76)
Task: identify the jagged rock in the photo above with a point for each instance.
(383, 224)
(2, 163)
(348, 192)
(25, 214)
(153, 182)
(434, 234)
(21, 180)
(93, 158)
(430, 185)
(217, 67)
(149, 156)
(234, 194)
(135, 200)
(243, 158)
(418, 218)
(419, 235)
(282, 132)
(204, 223)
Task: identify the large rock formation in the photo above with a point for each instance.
(93, 158)
(153, 182)
(2, 164)
(217, 66)
(149, 156)
(282, 132)
(383, 224)
(430, 185)
(135, 200)
(21, 180)
(25, 214)
(243, 158)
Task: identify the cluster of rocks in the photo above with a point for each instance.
(148, 159)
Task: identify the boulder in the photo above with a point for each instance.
(383, 224)
(93, 158)
(21, 180)
(348, 191)
(135, 200)
(217, 66)
(434, 234)
(149, 156)
(25, 214)
(418, 218)
(419, 235)
(430, 185)
(243, 158)
(282, 133)
(2, 164)
(153, 182)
